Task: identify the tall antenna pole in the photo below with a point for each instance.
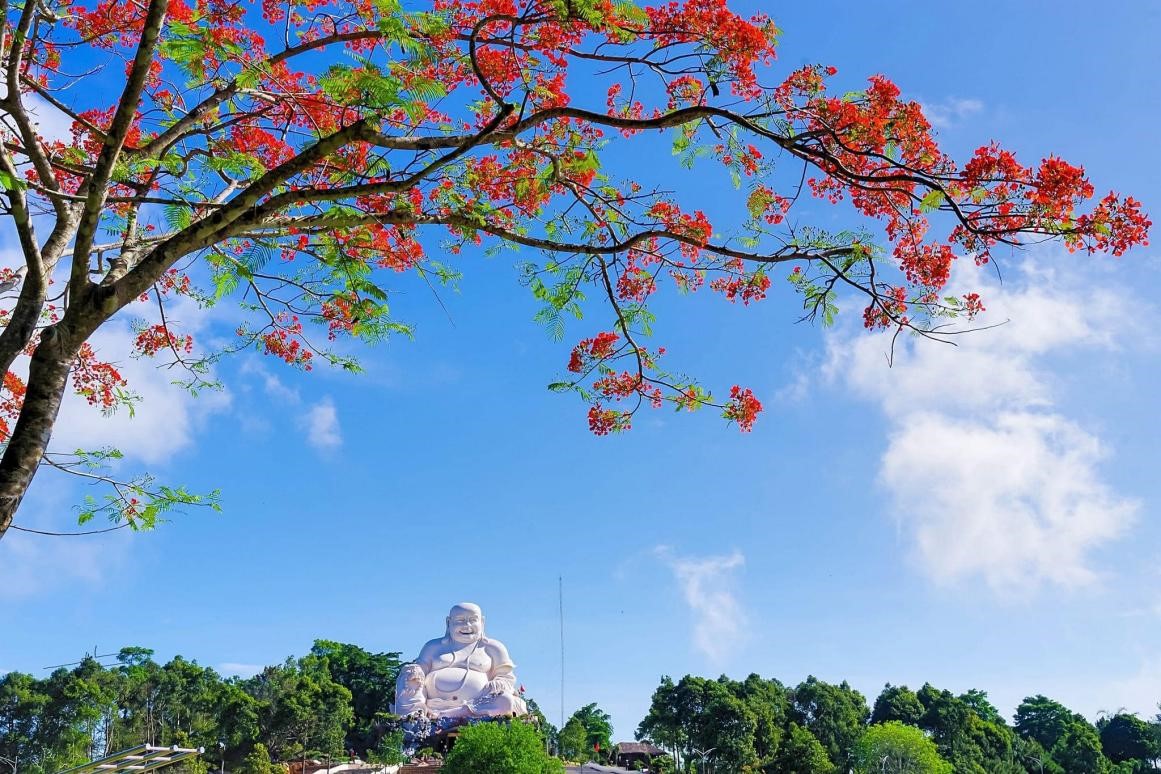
(560, 599)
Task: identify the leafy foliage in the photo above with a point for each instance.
(897, 702)
(574, 744)
(895, 747)
(512, 748)
(259, 155)
(817, 722)
(598, 731)
(802, 753)
(1126, 737)
(835, 714)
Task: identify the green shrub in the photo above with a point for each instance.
(257, 762)
(500, 748)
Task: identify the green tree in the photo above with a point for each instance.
(727, 726)
(548, 732)
(370, 677)
(897, 702)
(574, 741)
(769, 702)
(389, 750)
(1034, 758)
(238, 719)
(970, 743)
(977, 701)
(500, 748)
(257, 761)
(699, 714)
(1127, 737)
(802, 753)
(1078, 750)
(663, 723)
(899, 749)
(1042, 719)
(598, 728)
(835, 714)
(23, 715)
(301, 710)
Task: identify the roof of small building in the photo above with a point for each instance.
(639, 748)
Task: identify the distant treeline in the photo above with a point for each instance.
(822, 728)
(334, 700)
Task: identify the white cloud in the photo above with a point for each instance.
(161, 424)
(951, 111)
(233, 668)
(718, 618)
(273, 386)
(1014, 497)
(50, 123)
(1137, 692)
(36, 564)
(164, 422)
(322, 425)
(986, 474)
(320, 421)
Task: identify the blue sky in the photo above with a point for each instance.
(979, 517)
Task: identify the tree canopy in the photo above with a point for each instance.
(294, 155)
(303, 707)
(896, 747)
(513, 748)
(827, 730)
(299, 707)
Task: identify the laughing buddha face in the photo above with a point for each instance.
(465, 624)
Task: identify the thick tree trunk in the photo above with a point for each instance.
(48, 375)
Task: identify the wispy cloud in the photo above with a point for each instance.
(236, 669)
(322, 425)
(162, 423)
(320, 420)
(987, 475)
(51, 124)
(32, 565)
(275, 387)
(951, 111)
(706, 585)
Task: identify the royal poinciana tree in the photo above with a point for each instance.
(292, 154)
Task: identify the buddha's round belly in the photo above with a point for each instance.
(456, 681)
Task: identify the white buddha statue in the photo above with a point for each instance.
(465, 674)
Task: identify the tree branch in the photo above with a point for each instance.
(96, 188)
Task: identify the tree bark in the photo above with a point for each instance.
(48, 374)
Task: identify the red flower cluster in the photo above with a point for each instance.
(743, 408)
(740, 43)
(740, 284)
(622, 385)
(284, 342)
(888, 310)
(343, 312)
(98, 382)
(11, 400)
(600, 347)
(153, 339)
(603, 421)
(259, 143)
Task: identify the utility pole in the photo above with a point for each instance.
(560, 601)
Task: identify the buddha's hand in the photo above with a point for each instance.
(499, 686)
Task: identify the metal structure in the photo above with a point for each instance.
(138, 759)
